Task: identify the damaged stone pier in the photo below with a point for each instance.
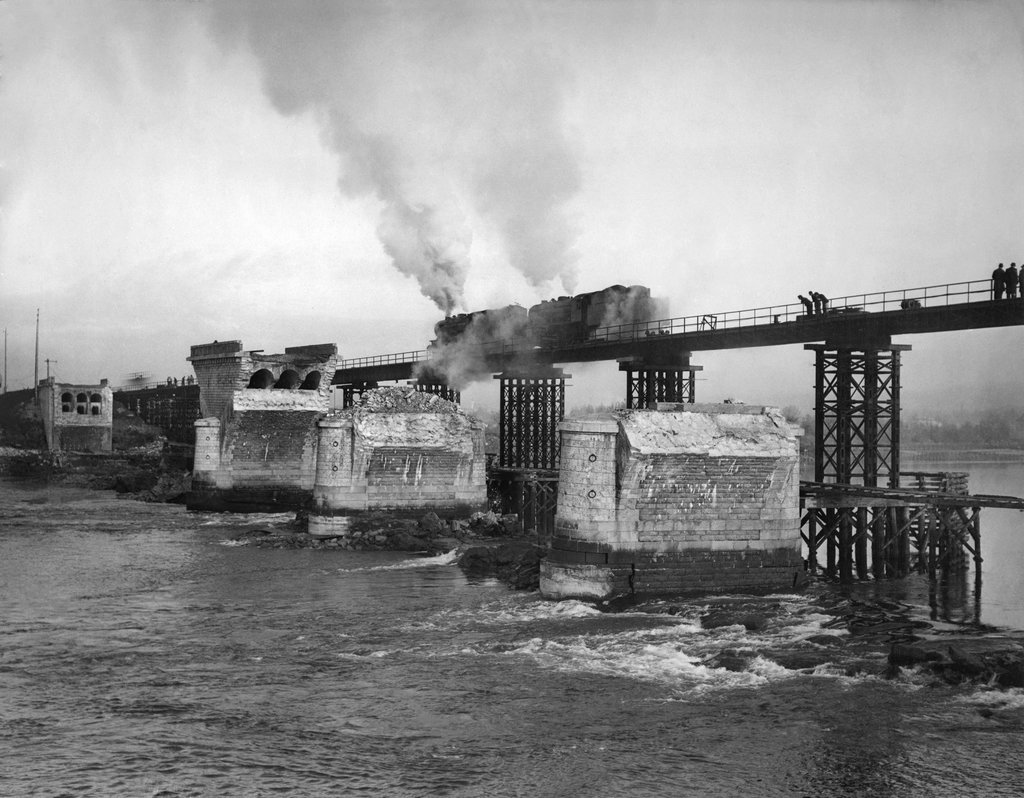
(400, 451)
(679, 498)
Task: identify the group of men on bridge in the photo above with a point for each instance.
(818, 303)
(1005, 281)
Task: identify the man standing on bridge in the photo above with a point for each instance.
(808, 305)
(1011, 281)
(998, 282)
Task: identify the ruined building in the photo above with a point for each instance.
(268, 440)
(77, 418)
(256, 438)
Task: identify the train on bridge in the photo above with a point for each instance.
(562, 320)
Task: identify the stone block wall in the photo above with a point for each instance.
(401, 451)
(256, 443)
(222, 368)
(271, 448)
(689, 498)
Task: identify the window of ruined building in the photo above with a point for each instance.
(67, 402)
(261, 379)
(312, 382)
(288, 380)
(95, 404)
(82, 404)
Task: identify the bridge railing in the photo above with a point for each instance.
(906, 299)
(384, 360)
(149, 386)
(902, 299)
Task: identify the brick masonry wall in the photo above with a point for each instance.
(265, 448)
(690, 571)
(675, 501)
(693, 501)
(221, 369)
(399, 461)
(224, 368)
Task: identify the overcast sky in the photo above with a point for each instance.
(286, 173)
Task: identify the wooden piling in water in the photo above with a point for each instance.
(861, 533)
(873, 532)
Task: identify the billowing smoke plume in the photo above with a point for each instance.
(635, 306)
(463, 345)
(444, 112)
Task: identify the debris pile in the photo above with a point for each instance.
(404, 400)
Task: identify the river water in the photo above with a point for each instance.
(142, 653)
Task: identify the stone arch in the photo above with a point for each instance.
(82, 404)
(95, 404)
(263, 378)
(67, 402)
(288, 380)
(312, 382)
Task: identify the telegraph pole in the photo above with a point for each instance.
(5, 360)
(35, 381)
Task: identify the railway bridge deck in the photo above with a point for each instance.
(854, 321)
(856, 503)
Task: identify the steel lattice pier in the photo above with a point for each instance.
(532, 405)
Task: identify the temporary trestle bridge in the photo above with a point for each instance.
(871, 519)
(932, 524)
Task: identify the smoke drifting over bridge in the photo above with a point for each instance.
(451, 116)
(467, 345)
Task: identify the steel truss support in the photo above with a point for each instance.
(857, 415)
(648, 383)
(438, 389)
(351, 393)
(532, 405)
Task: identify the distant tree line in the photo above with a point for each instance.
(988, 429)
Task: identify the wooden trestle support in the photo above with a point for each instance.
(869, 520)
(525, 476)
(887, 532)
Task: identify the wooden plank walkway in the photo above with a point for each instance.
(826, 494)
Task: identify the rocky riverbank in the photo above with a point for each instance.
(146, 473)
(486, 545)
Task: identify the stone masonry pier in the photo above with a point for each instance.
(256, 440)
(399, 451)
(681, 498)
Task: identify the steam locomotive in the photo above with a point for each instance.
(487, 329)
(559, 321)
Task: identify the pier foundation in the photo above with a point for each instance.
(682, 498)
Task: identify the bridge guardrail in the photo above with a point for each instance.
(384, 360)
(924, 297)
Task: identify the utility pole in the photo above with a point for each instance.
(35, 380)
(5, 360)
